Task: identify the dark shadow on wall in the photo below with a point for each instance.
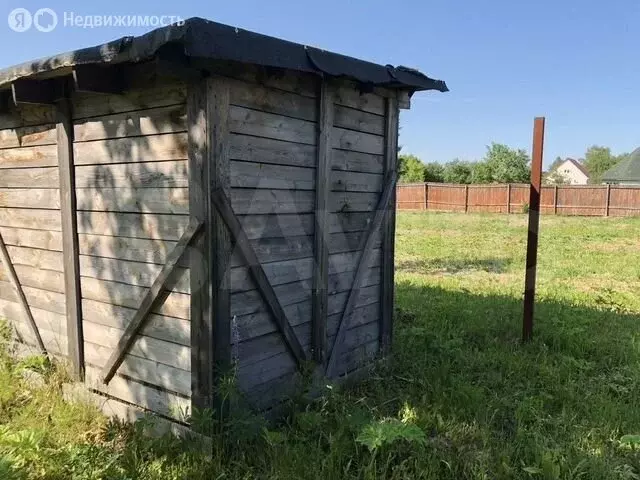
(133, 204)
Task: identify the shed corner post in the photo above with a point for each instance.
(325, 104)
(70, 245)
(389, 227)
(207, 124)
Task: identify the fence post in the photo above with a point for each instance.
(426, 195)
(466, 198)
(555, 200)
(606, 210)
(508, 198)
(534, 223)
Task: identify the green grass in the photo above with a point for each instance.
(460, 397)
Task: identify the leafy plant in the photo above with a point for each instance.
(37, 363)
(273, 437)
(8, 472)
(21, 448)
(411, 169)
(631, 440)
(389, 431)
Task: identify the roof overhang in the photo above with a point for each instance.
(199, 39)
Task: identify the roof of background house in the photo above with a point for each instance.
(578, 165)
(626, 170)
(201, 38)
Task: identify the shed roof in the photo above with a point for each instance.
(626, 170)
(200, 38)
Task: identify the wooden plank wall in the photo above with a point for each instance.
(624, 201)
(272, 152)
(132, 194)
(487, 198)
(273, 148)
(412, 196)
(356, 182)
(30, 224)
(582, 200)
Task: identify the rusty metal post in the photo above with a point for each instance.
(426, 196)
(534, 222)
(466, 198)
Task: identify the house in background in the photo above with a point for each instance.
(627, 172)
(572, 171)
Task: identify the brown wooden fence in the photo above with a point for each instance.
(595, 200)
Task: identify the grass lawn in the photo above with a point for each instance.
(460, 398)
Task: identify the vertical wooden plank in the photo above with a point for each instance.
(534, 223)
(199, 207)
(207, 117)
(508, 198)
(75, 338)
(218, 104)
(389, 228)
(608, 201)
(321, 250)
(555, 200)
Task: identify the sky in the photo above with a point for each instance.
(505, 61)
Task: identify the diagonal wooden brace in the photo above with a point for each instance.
(156, 295)
(13, 277)
(365, 247)
(223, 206)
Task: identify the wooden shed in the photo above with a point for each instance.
(197, 201)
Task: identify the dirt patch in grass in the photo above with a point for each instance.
(453, 266)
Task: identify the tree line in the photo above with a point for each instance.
(502, 164)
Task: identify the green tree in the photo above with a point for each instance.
(457, 171)
(507, 165)
(434, 172)
(481, 173)
(411, 169)
(554, 177)
(598, 160)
